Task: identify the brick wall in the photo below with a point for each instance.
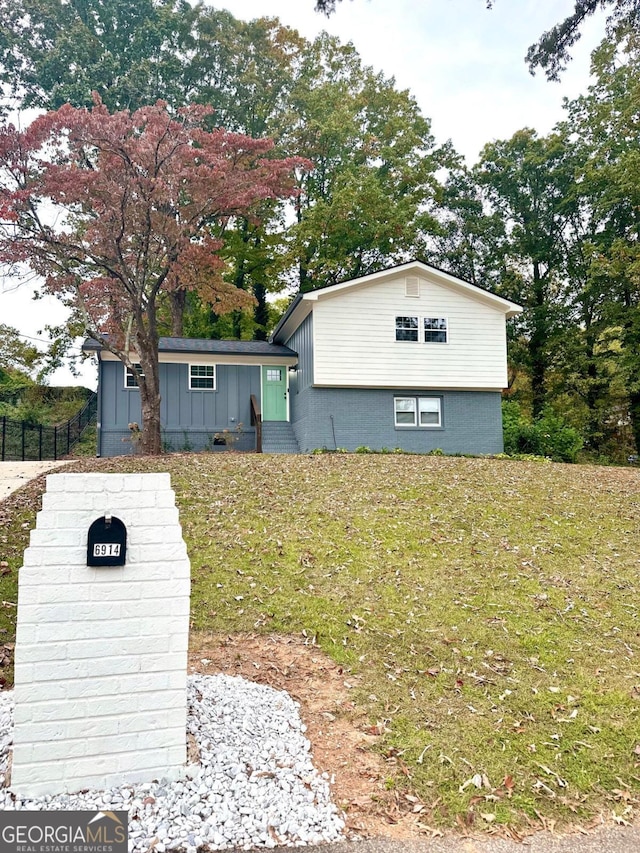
(101, 653)
(471, 421)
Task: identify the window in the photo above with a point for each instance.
(405, 411)
(406, 328)
(423, 412)
(435, 330)
(429, 411)
(274, 374)
(202, 377)
(130, 380)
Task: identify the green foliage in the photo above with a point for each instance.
(374, 182)
(130, 51)
(41, 404)
(549, 435)
(87, 446)
(15, 353)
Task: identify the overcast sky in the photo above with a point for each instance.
(464, 64)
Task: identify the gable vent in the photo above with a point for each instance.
(412, 286)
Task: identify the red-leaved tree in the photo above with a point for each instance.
(114, 210)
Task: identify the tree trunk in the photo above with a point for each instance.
(147, 347)
(634, 412)
(177, 302)
(239, 280)
(538, 343)
(151, 443)
(260, 312)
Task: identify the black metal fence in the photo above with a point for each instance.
(21, 440)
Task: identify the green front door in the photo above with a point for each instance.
(274, 393)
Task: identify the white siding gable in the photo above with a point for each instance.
(355, 343)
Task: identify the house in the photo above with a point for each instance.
(410, 357)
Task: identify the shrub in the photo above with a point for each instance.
(549, 435)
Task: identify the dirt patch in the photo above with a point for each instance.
(341, 739)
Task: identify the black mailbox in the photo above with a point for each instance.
(107, 543)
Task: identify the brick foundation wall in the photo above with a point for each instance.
(471, 421)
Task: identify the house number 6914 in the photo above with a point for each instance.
(106, 549)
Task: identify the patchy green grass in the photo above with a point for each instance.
(490, 608)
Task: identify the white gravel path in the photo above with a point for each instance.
(255, 784)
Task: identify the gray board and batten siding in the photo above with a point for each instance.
(190, 417)
(301, 341)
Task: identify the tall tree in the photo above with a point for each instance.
(469, 237)
(528, 181)
(134, 194)
(132, 52)
(247, 70)
(606, 123)
(375, 167)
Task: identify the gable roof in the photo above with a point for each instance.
(302, 305)
(204, 346)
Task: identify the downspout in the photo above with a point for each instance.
(99, 409)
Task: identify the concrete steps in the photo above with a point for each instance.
(278, 437)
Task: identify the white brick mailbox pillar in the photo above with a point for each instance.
(101, 653)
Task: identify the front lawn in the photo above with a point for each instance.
(489, 607)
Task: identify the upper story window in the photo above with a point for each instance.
(435, 330)
(202, 377)
(406, 328)
(130, 380)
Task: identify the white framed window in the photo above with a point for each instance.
(429, 411)
(274, 374)
(202, 377)
(405, 411)
(130, 380)
(406, 328)
(435, 330)
(421, 412)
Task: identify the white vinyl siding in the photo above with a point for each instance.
(355, 339)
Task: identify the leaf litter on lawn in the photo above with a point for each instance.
(486, 609)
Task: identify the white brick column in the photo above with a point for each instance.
(101, 653)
